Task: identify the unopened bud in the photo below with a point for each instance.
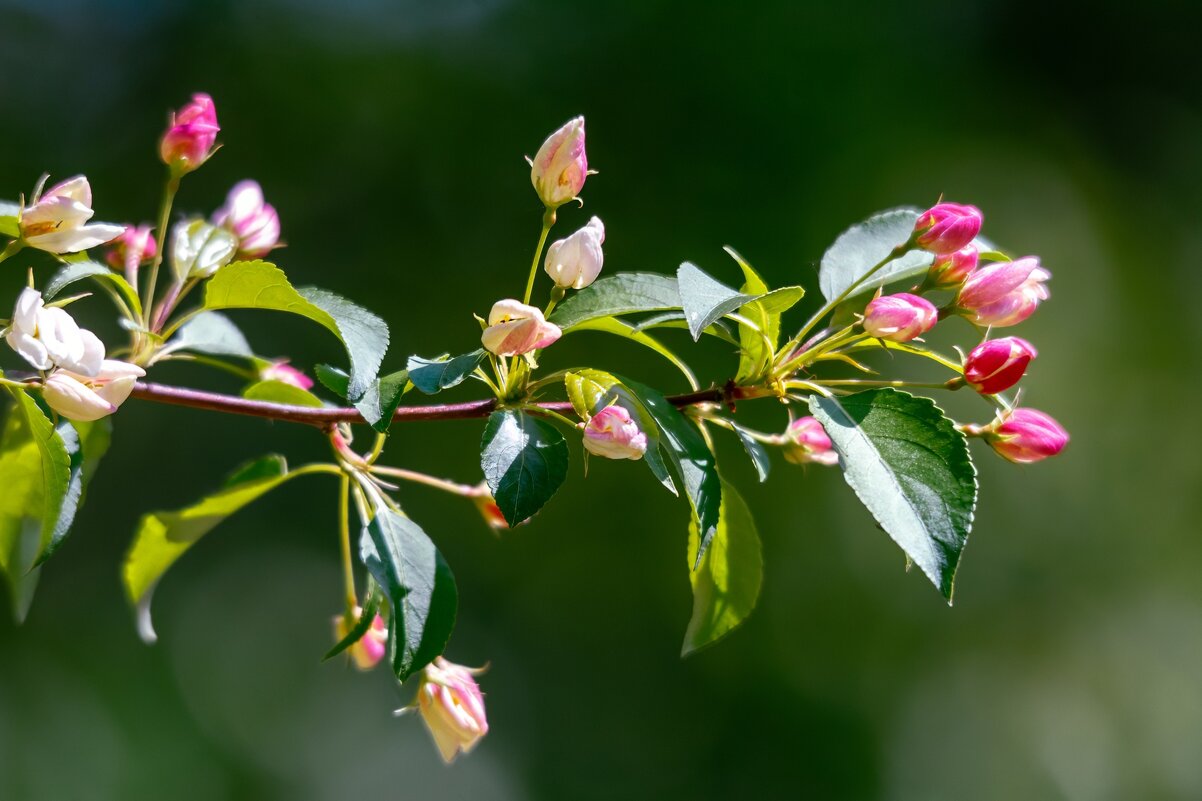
(560, 167)
(189, 139)
(947, 227)
(998, 364)
(1027, 435)
(900, 317)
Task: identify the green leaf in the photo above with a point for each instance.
(333, 379)
(381, 399)
(199, 249)
(431, 376)
(590, 391)
(272, 391)
(755, 450)
(758, 348)
(610, 325)
(261, 285)
(419, 586)
(371, 606)
(55, 466)
(704, 299)
(210, 333)
(674, 319)
(163, 537)
(911, 467)
(78, 271)
(727, 583)
(623, 293)
(861, 247)
(525, 460)
(86, 444)
(689, 455)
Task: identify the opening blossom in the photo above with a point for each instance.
(452, 706)
(48, 337)
(560, 167)
(367, 652)
(1005, 293)
(1027, 435)
(189, 139)
(900, 317)
(997, 364)
(286, 374)
(575, 262)
(515, 328)
(57, 222)
(807, 442)
(947, 227)
(250, 218)
(613, 434)
(85, 398)
(135, 246)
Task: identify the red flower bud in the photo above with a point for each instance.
(998, 364)
(947, 227)
(189, 139)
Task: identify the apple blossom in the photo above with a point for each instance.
(997, 364)
(1017, 305)
(575, 262)
(369, 649)
(806, 442)
(950, 269)
(560, 167)
(57, 222)
(251, 219)
(189, 139)
(47, 336)
(900, 317)
(285, 373)
(947, 227)
(515, 328)
(1026, 435)
(452, 706)
(613, 434)
(135, 246)
(86, 398)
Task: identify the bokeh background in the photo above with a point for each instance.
(390, 136)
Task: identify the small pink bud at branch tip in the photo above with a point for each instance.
(189, 139)
(560, 167)
(806, 442)
(947, 227)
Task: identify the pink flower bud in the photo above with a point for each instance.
(189, 139)
(575, 262)
(285, 373)
(1006, 293)
(947, 227)
(560, 167)
(613, 434)
(950, 269)
(515, 328)
(899, 317)
(251, 219)
(135, 246)
(996, 365)
(369, 649)
(85, 398)
(806, 442)
(452, 706)
(1027, 435)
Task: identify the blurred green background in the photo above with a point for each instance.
(390, 136)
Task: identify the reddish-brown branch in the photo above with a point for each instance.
(231, 404)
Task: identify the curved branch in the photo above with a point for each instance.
(231, 404)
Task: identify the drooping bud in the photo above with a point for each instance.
(452, 706)
(370, 648)
(947, 227)
(1004, 294)
(515, 328)
(950, 269)
(560, 167)
(48, 337)
(1026, 435)
(900, 317)
(997, 364)
(613, 434)
(86, 398)
(286, 374)
(806, 442)
(251, 219)
(135, 246)
(190, 137)
(58, 221)
(575, 262)
(489, 510)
